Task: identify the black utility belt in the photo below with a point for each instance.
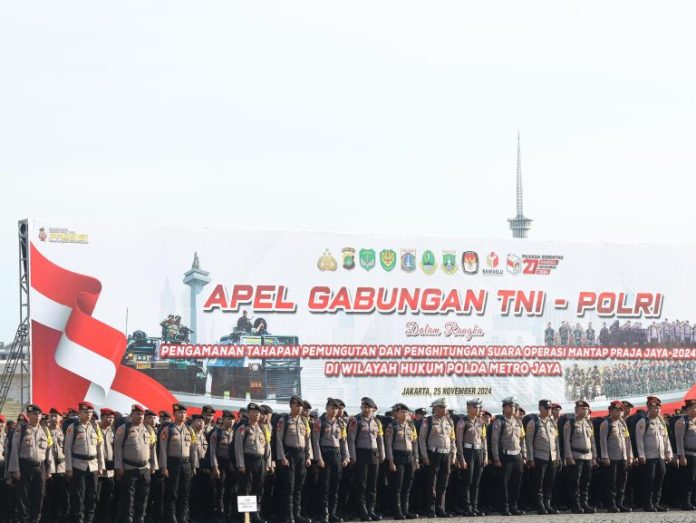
(83, 457)
(254, 457)
(30, 462)
(290, 450)
(137, 464)
(330, 450)
(178, 460)
(402, 453)
(580, 451)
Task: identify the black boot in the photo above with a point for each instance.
(405, 509)
(299, 518)
(397, 510)
(589, 509)
(373, 515)
(549, 508)
(541, 507)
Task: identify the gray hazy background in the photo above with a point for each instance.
(392, 117)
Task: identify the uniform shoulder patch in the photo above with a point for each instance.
(165, 434)
(353, 423)
(241, 429)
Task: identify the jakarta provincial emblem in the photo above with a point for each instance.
(408, 260)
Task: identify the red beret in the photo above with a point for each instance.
(616, 404)
(654, 400)
(137, 408)
(556, 406)
(85, 405)
(107, 412)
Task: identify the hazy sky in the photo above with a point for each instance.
(394, 117)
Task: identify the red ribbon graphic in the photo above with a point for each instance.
(54, 385)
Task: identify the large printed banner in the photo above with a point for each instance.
(124, 314)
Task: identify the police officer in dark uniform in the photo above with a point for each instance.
(509, 454)
(267, 498)
(220, 451)
(175, 461)
(57, 501)
(135, 457)
(84, 461)
(345, 486)
(654, 451)
(293, 447)
(472, 455)
(543, 456)
(366, 449)
(208, 414)
(30, 461)
(401, 443)
(155, 500)
(685, 437)
(581, 457)
(106, 497)
(329, 441)
(253, 456)
(616, 455)
(438, 451)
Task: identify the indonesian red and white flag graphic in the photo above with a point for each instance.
(75, 356)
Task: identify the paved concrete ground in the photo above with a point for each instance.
(634, 517)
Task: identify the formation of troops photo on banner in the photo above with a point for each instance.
(83, 466)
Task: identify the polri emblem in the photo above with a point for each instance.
(348, 254)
